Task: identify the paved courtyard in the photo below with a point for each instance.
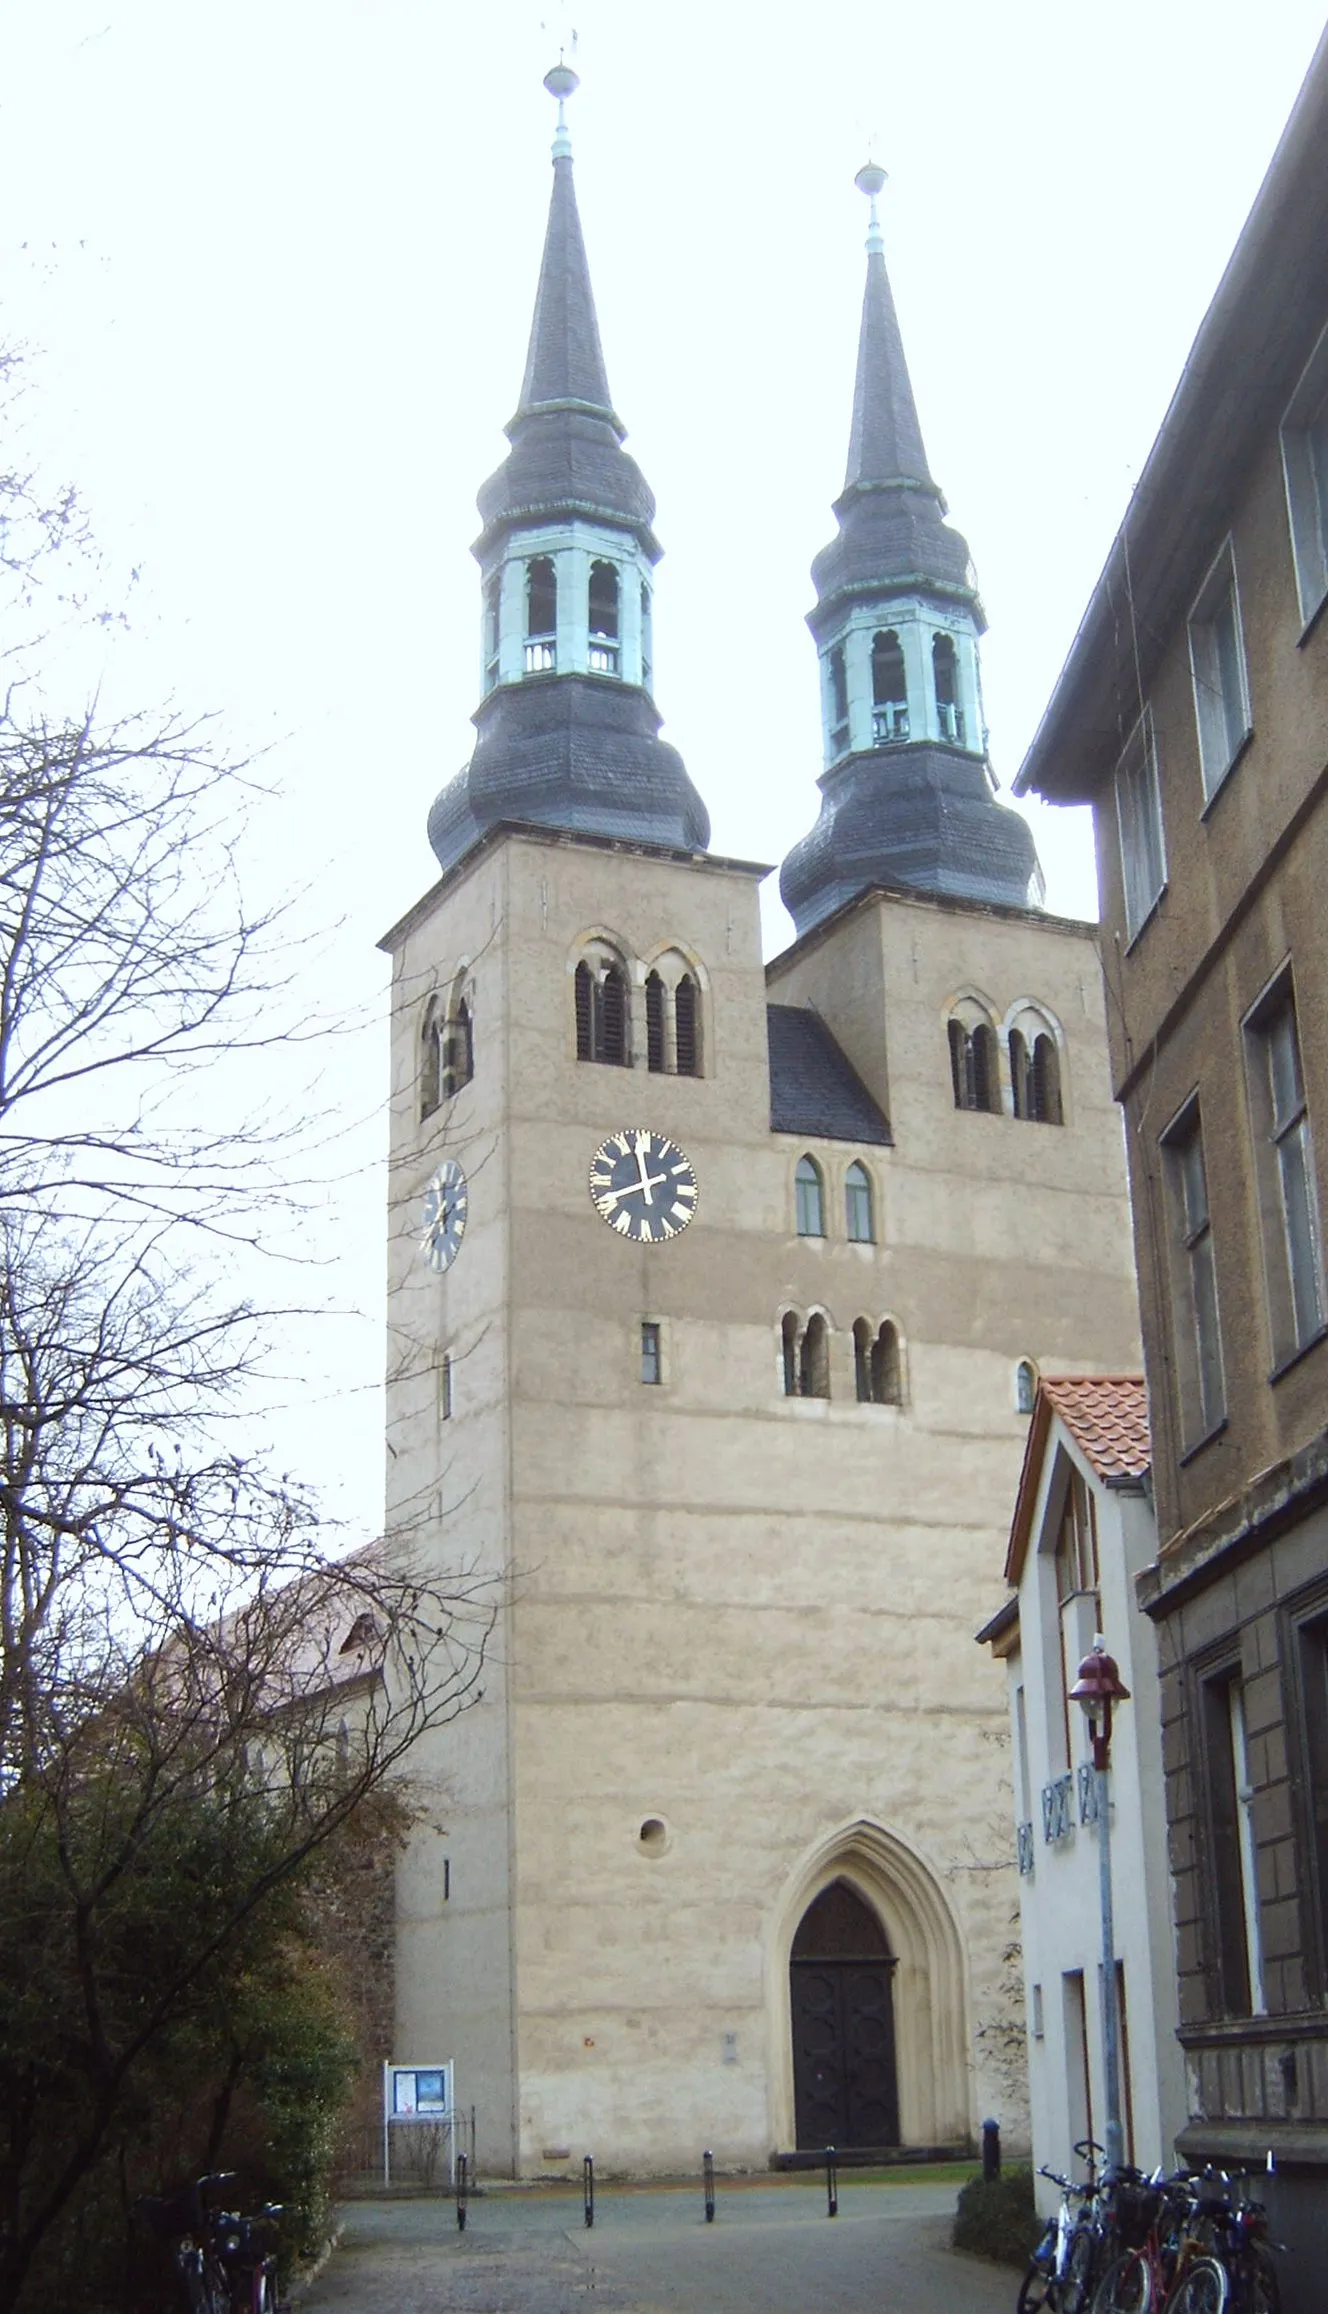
(771, 2250)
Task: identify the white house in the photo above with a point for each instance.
(1083, 1527)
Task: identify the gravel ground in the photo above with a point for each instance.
(771, 2250)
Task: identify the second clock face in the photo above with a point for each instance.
(446, 1201)
(643, 1185)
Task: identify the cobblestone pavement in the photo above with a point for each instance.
(771, 2250)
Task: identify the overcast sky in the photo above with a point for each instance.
(278, 259)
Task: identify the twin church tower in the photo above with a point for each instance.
(716, 1293)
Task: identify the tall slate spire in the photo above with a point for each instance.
(568, 733)
(907, 791)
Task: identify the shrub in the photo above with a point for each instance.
(997, 2219)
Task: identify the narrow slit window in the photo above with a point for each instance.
(445, 1387)
(493, 600)
(858, 1206)
(809, 1195)
(945, 672)
(862, 1360)
(612, 1018)
(889, 689)
(687, 1027)
(1019, 1073)
(584, 992)
(814, 1373)
(652, 1365)
(838, 700)
(654, 1023)
(788, 1349)
(541, 616)
(603, 619)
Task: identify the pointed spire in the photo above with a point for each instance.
(565, 362)
(885, 444)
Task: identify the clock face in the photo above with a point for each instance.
(643, 1185)
(445, 1203)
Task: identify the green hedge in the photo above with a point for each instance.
(998, 2220)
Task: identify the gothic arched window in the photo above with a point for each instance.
(603, 618)
(788, 1347)
(858, 1223)
(809, 1197)
(1035, 1071)
(889, 688)
(814, 1359)
(887, 1382)
(600, 1001)
(458, 1050)
(1046, 1081)
(541, 616)
(973, 1071)
(687, 1027)
(1025, 1386)
(654, 1022)
(945, 672)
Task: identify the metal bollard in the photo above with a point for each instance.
(991, 2150)
(588, 2188)
(708, 2175)
(462, 2183)
(831, 2183)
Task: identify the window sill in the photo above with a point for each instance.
(1192, 1452)
(1226, 773)
(1154, 906)
(1302, 1350)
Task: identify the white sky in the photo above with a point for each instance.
(279, 256)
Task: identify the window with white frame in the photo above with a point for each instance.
(1198, 1330)
(1305, 466)
(1139, 820)
(1217, 663)
(1284, 1161)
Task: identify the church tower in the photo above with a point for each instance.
(715, 1293)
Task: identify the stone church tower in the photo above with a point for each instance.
(716, 1294)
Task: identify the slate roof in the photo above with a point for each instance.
(1107, 1417)
(814, 1087)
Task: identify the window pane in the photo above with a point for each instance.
(857, 1202)
(1302, 1236)
(1284, 1068)
(811, 1221)
(1139, 816)
(650, 1359)
(1226, 652)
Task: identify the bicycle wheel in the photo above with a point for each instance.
(1036, 2290)
(1260, 2291)
(1206, 2289)
(267, 2294)
(1125, 2288)
(1075, 2288)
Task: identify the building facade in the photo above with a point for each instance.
(1193, 713)
(715, 1294)
(1083, 1530)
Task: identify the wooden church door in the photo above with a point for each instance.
(844, 2087)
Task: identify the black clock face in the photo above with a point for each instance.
(643, 1185)
(445, 1203)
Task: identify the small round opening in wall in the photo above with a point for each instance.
(654, 1836)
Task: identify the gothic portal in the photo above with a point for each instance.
(714, 1285)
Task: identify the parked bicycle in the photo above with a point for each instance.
(246, 2248)
(223, 2262)
(1060, 2275)
(1197, 2249)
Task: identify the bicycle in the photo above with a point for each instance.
(1179, 2265)
(1061, 2269)
(181, 2222)
(246, 2250)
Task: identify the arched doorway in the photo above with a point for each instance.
(842, 2002)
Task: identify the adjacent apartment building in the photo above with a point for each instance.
(1193, 714)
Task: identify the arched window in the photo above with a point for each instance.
(862, 1356)
(458, 1051)
(838, 700)
(603, 618)
(654, 1022)
(945, 672)
(809, 1196)
(600, 1000)
(431, 1059)
(973, 1074)
(858, 1206)
(1025, 1386)
(687, 1027)
(887, 1385)
(814, 1362)
(1035, 1073)
(541, 616)
(493, 602)
(889, 689)
(1046, 1080)
(788, 1348)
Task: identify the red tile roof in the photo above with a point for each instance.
(1107, 1417)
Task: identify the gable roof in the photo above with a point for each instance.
(1107, 1417)
(814, 1087)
